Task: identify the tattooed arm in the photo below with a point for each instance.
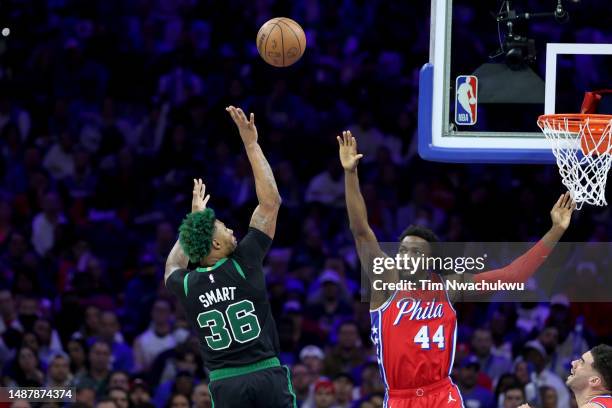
(176, 260)
(264, 216)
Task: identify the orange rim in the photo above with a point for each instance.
(590, 141)
(597, 123)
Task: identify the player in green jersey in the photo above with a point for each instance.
(225, 296)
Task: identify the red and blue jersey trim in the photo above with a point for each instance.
(608, 402)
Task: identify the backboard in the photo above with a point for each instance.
(495, 67)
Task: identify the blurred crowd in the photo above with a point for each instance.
(108, 110)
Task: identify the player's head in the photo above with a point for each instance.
(201, 234)
(415, 241)
(592, 371)
(416, 233)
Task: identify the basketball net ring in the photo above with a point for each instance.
(582, 145)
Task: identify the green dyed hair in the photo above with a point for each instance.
(196, 234)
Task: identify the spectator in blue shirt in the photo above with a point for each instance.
(474, 395)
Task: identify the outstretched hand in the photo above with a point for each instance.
(200, 199)
(561, 213)
(246, 127)
(348, 151)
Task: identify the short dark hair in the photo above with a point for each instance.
(58, 354)
(119, 372)
(515, 386)
(421, 232)
(346, 376)
(504, 382)
(602, 363)
(544, 388)
(103, 342)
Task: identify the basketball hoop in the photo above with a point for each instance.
(582, 145)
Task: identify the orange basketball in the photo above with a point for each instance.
(281, 42)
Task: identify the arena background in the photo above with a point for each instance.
(108, 110)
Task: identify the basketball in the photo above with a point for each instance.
(281, 42)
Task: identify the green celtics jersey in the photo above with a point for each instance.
(228, 305)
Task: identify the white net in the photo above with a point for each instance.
(582, 147)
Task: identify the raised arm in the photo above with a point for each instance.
(523, 267)
(269, 200)
(177, 258)
(355, 205)
(365, 240)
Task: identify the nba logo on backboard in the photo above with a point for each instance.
(466, 99)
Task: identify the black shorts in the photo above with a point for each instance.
(267, 388)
